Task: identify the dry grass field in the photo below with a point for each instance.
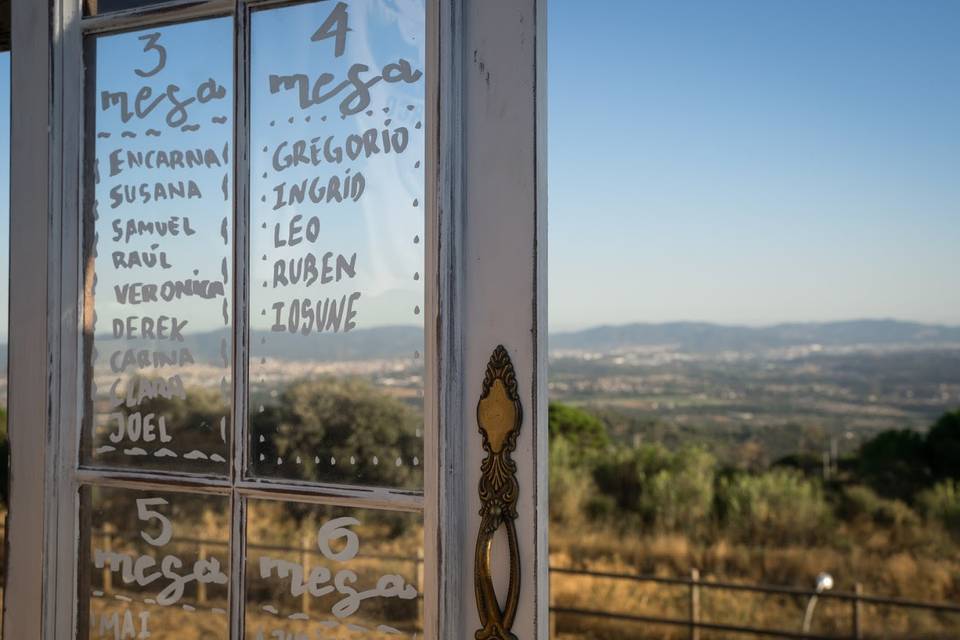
(899, 574)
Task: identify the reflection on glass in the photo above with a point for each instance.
(155, 565)
(157, 320)
(332, 572)
(337, 242)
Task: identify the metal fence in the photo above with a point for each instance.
(695, 585)
(694, 620)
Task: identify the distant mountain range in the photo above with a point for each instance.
(706, 337)
(366, 344)
(696, 337)
(362, 344)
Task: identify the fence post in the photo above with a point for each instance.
(107, 547)
(305, 563)
(553, 616)
(857, 630)
(420, 570)
(694, 604)
(201, 585)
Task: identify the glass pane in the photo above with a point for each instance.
(337, 242)
(155, 565)
(157, 320)
(332, 572)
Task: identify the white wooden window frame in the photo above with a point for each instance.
(486, 221)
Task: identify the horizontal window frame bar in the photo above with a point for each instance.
(176, 11)
(333, 494)
(163, 14)
(260, 488)
(147, 480)
(258, 5)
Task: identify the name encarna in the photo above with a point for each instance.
(126, 159)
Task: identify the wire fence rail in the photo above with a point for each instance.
(694, 620)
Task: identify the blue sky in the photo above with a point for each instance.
(744, 161)
(201, 255)
(753, 161)
(381, 226)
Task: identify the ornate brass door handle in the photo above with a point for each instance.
(499, 414)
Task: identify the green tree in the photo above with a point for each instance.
(943, 446)
(581, 429)
(666, 491)
(571, 488)
(680, 497)
(941, 503)
(894, 464)
(340, 418)
(776, 507)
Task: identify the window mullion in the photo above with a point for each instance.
(241, 333)
(241, 205)
(69, 120)
(238, 543)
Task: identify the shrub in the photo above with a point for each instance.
(667, 491)
(600, 508)
(777, 507)
(941, 503)
(862, 503)
(681, 496)
(624, 474)
(570, 483)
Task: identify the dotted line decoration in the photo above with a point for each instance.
(374, 460)
(156, 133)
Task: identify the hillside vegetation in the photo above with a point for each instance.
(886, 516)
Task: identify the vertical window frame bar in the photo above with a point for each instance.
(31, 329)
(241, 330)
(69, 125)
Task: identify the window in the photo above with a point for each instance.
(253, 334)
